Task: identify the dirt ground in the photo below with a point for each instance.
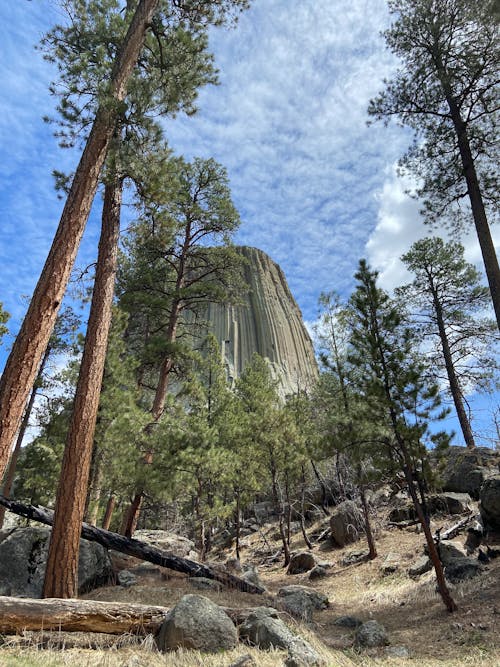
(411, 611)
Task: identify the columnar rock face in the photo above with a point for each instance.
(269, 323)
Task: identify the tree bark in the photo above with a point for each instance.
(61, 575)
(11, 470)
(31, 342)
(368, 527)
(135, 548)
(486, 244)
(115, 618)
(431, 545)
(110, 506)
(452, 377)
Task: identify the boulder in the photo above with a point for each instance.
(251, 574)
(489, 504)
(318, 572)
(371, 634)
(126, 578)
(204, 584)
(264, 629)
(301, 562)
(23, 556)
(354, 557)
(461, 569)
(391, 564)
(420, 566)
(449, 503)
(166, 541)
(346, 523)
(450, 551)
(301, 601)
(197, 623)
(465, 470)
(402, 513)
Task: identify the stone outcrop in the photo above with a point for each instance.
(268, 322)
(23, 556)
(465, 470)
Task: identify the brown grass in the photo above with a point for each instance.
(411, 611)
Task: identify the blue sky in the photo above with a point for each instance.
(315, 186)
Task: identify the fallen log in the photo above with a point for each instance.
(112, 618)
(18, 614)
(135, 548)
(454, 530)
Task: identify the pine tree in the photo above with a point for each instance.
(450, 303)
(447, 92)
(65, 535)
(397, 398)
(185, 262)
(32, 340)
(4, 318)
(348, 434)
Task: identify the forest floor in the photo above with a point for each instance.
(411, 611)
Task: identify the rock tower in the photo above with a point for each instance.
(270, 323)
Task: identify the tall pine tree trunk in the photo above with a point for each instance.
(486, 244)
(108, 514)
(11, 470)
(31, 342)
(452, 376)
(61, 576)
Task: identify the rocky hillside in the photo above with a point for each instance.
(269, 322)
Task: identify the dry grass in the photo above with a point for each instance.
(411, 611)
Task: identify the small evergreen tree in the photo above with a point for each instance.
(397, 398)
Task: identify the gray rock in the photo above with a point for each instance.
(397, 652)
(449, 503)
(462, 569)
(466, 470)
(126, 578)
(402, 513)
(266, 631)
(371, 634)
(302, 654)
(346, 523)
(391, 564)
(301, 562)
(251, 575)
(268, 322)
(263, 628)
(450, 551)
(23, 555)
(166, 541)
(489, 504)
(318, 600)
(318, 572)
(420, 566)
(204, 584)
(197, 623)
(348, 622)
(353, 557)
(300, 601)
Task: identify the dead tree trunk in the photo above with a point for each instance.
(115, 618)
(135, 548)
